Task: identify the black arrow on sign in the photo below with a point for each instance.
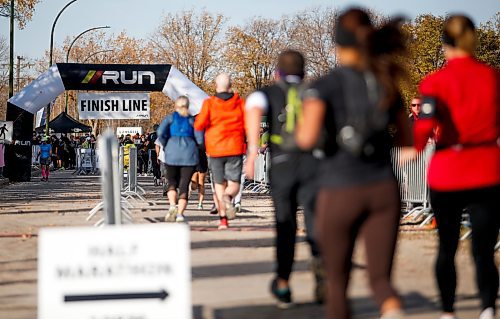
(162, 295)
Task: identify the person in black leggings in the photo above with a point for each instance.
(461, 100)
(181, 146)
(355, 104)
(485, 221)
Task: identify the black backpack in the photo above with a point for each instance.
(284, 119)
(359, 124)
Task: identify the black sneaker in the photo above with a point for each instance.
(214, 210)
(283, 296)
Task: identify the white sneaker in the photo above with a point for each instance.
(448, 317)
(180, 219)
(487, 313)
(171, 215)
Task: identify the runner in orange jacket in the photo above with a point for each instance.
(222, 117)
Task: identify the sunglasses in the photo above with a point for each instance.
(415, 105)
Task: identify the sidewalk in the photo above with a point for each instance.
(231, 269)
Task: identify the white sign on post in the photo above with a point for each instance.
(6, 129)
(126, 272)
(123, 130)
(113, 106)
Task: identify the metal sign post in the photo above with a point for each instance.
(108, 152)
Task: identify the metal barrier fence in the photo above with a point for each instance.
(87, 161)
(412, 179)
(260, 182)
(34, 156)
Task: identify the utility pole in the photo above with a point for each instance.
(18, 70)
(11, 56)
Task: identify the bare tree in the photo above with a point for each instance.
(312, 33)
(251, 52)
(191, 42)
(23, 10)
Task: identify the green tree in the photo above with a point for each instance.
(488, 49)
(424, 50)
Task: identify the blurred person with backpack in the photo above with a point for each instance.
(353, 107)
(293, 171)
(181, 145)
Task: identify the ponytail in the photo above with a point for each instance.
(386, 50)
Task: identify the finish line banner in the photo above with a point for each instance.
(114, 106)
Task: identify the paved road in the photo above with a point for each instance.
(231, 269)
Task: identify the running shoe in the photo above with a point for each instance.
(171, 215)
(319, 276)
(180, 219)
(444, 317)
(213, 210)
(487, 313)
(283, 296)
(200, 206)
(230, 210)
(223, 224)
(237, 208)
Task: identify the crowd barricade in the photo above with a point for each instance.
(34, 156)
(412, 180)
(260, 182)
(86, 161)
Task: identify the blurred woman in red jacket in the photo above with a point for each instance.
(461, 100)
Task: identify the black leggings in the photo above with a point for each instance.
(483, 208)
(371, 211)
(292, 182)
(179, 177)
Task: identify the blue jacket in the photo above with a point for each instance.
(181, 148)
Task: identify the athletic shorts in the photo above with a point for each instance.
(45, 161)
(179, 177)
(227, 168)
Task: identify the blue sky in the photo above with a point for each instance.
(139, 18)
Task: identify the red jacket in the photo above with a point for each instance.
(224, 125)
(467, 118)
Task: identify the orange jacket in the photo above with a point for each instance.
(224, 125)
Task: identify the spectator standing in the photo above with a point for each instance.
(176, 134)
(415, 108)
(222, 119)
(293, 171)
(354, 105)
(461, 101)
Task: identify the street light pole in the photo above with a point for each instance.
(69, 50)
(96, 53)
(47, 108)
(78, 36)
(11, 57)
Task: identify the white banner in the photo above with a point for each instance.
(128, 130)
(114, 106)
(178, 84)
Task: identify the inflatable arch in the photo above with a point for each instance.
(31, 100)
